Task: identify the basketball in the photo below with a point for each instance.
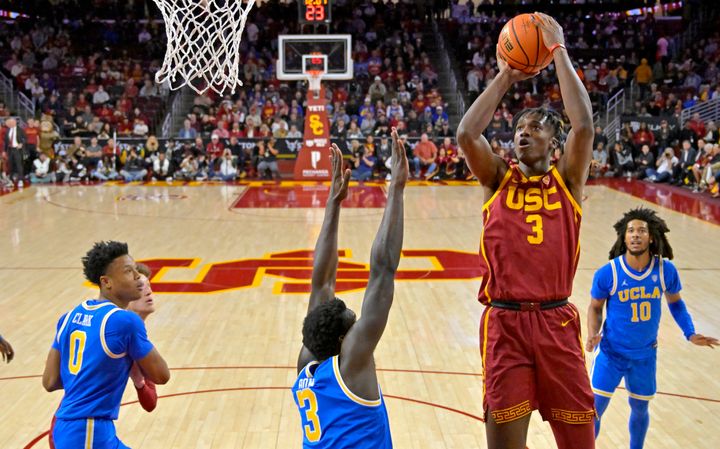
(521, 45)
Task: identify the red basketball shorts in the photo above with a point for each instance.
(534, 360)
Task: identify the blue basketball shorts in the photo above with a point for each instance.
(639, 374)
(86, 434)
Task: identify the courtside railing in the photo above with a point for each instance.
(708, 110)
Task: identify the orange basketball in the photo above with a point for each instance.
(521, 45)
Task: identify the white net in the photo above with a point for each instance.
(203, 43)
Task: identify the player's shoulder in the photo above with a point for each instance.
(667, 264)
(121, 318)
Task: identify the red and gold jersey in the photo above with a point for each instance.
(530, 242)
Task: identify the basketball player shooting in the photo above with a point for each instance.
(530, 335)
(337, 392)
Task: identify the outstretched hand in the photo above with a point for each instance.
(6, 350)
(399, 165)
(514, 74)
(702, 340)
(340, 179)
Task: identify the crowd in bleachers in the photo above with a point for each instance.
(610, 50)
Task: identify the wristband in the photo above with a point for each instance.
(682, 318)
(556, 46)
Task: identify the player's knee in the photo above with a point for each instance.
(639, 406)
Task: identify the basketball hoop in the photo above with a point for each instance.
(314, 77)
(203, 43)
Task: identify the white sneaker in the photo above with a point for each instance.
(388, 177)
(169, 180)
(20, 184)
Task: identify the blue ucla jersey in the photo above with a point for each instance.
(634, 304)
(98, 342)
(332, 416)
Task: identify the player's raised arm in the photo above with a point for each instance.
(363, 337)
(325, 257)
(488, 167)
(325, 260)
(575, 162)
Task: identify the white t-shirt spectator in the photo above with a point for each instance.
(41, 168)
(140, 128)
(667, 164)
(100, 96)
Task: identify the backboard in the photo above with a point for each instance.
(297, 52)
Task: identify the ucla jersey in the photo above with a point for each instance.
(97, 342)
(634, 304)
(332, 416)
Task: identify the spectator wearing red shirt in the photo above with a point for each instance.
(236, 131)
(643, 136)
(697, 125)
(425, 153)
(32, 134)
(268, 111)
(131, 90)
(215, 148)
(109, 148)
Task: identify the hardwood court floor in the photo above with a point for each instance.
(231, 331)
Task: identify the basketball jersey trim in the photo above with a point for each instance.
(485, 258)
(484, 347)
(105, 347)
(634, 276)
(504, 181)
(89, 431)
(640, 397)
(62, 327)
(307, 368)
(352, 396)
(613, 289)
(561, 183)
(87, 306)
(662, 274)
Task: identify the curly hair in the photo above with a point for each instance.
(324, 326)
(656, 226)
(97, 260)
(548, 115)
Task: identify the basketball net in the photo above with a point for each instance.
(203, 43)
(314, 77)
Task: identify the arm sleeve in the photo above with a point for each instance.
(602, 283)
(147, 396)
(125, 333)
(682, 318)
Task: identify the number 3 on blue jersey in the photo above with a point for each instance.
(77, 347)
(308, 402)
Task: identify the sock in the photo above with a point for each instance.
(601, 404)
(639, 422)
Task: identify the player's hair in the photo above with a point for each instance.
(97, 260)
(324, 326)
(143, 269)
(552, 117)
(657, 227)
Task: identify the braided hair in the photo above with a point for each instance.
(547, 115)
(656, 226)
